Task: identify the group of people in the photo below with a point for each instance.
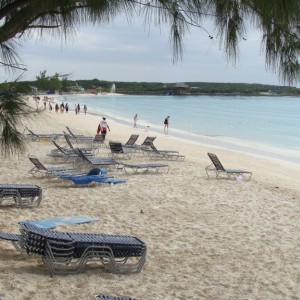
(65, 107)
(166, 123)
(62, 107)
(77, 108)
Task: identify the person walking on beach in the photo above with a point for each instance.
(103, 127)
(166, 124)
(135, 118)
(85, 109)
(56, 108)
(67, 107)
(62, 108)
(78, 108)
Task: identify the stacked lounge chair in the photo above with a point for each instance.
(24, 195)
(69, 252)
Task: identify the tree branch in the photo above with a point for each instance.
(13, 66)
(43, 26)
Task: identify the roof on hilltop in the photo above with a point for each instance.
(181, 85)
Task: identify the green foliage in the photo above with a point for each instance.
(13, 110)
(159, 88)
(45, 83)
(276, 20)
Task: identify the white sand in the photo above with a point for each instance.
(206, 238)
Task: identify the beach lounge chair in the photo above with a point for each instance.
(98, 141)
(108, 297)
(218, 168)
(24, 195)
(69, 252)
(117, 150)
(95, 161)
(62, 153)
(15, 239)
(39, 168)
(42, 137)
(131, 142)
(91, 151)
(144, 144)
(153, 152)
(79, 138)
(95, 175)
(139, 168)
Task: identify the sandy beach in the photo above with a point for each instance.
(207, 238)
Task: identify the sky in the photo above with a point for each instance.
(128, 52)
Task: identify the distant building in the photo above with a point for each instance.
(179, 88)
(95, 90)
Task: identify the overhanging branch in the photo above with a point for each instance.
(13, 66)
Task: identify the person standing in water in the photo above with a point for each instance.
(135, 118)
(85, 109)
(166, 124)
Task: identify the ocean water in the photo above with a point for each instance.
(264, 125)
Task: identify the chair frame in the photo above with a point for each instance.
(218, 168)
(142, 168)
(108, 297)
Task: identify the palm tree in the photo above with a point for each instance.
(277, 20)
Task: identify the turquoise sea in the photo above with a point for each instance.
(265, 125)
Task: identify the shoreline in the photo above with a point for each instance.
(234, 144)
(215, 142)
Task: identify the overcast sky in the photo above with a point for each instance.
(123, 52)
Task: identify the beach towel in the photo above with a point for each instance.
(94, 175)
(93, 178)
(69, 220)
